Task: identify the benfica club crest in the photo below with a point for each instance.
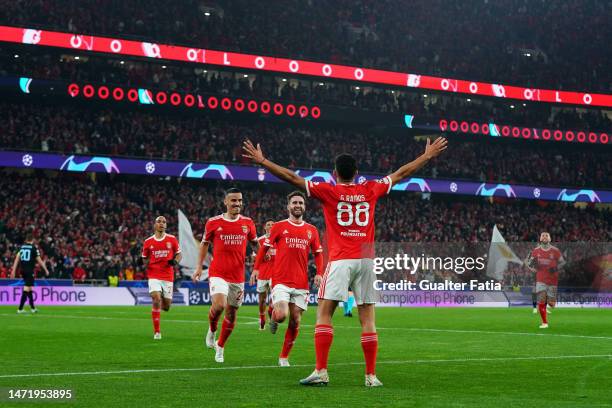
(245, 229)
(168, 245)
(309, 233)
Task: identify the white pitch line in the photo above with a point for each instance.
(416, 329)
(398, 362)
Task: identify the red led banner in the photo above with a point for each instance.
(211, 102)
(316, 69)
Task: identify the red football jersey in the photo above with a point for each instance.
(546, 259)
(159, 252)
(265, 269)
(229, 239)
(349, 215)
(293, 242)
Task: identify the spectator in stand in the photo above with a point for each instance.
(79, 275)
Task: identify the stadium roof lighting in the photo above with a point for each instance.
(207, 13)
(16, 55)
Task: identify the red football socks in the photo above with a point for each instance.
(155, 315)
(324, 335)
(213, 319)
(290, 336)
(542, 309)
(369, 344)
(226, 329)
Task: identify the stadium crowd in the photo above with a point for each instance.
(93, 227)
(90, 130)
(517, 42)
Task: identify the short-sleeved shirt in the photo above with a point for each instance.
(229, 239)
(265, 268)
(27, 257)
(159, 252)
(349, 215)
(293, 242)
(545, 260)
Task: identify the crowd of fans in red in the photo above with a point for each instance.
(90, 229)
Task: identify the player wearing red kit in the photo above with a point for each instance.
(228, 233)
(545, 260)
(349, 219)
(160, 252)
(263, 276)
(293, 239)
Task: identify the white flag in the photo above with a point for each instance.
(189, 247)
(499, 256)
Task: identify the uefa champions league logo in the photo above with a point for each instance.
(70, 164)
(505, 189)
(536, 192)
(323, 175)
(421, 185)
(194, 297)
(221, 170)
(27, 160)
(590, 194)
(150, 167)
(31, 36)
(453, 187)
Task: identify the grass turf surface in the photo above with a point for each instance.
(427, 357)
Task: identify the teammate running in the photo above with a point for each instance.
(293, 239)
(545, 260)
(160, 252)
(263, 276)
(229, 234)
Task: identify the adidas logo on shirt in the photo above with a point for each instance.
(285, 232)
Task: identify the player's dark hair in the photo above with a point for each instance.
(232, 191)
(346, 166)
(296, 193)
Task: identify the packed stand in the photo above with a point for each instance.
(88, 130)
(93, 228)
(533, 43)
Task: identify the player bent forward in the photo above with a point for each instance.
(293, 239)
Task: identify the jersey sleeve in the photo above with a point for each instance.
(145, 250)
(35, 252)
(252, 231)
(269, 242)
(381, 186)
(320, 190)
(176, 246)
(209, 232)
(315, 243)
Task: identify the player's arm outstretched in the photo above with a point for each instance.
(431, 150)
(283, 173)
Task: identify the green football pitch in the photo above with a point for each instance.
(427, 357)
